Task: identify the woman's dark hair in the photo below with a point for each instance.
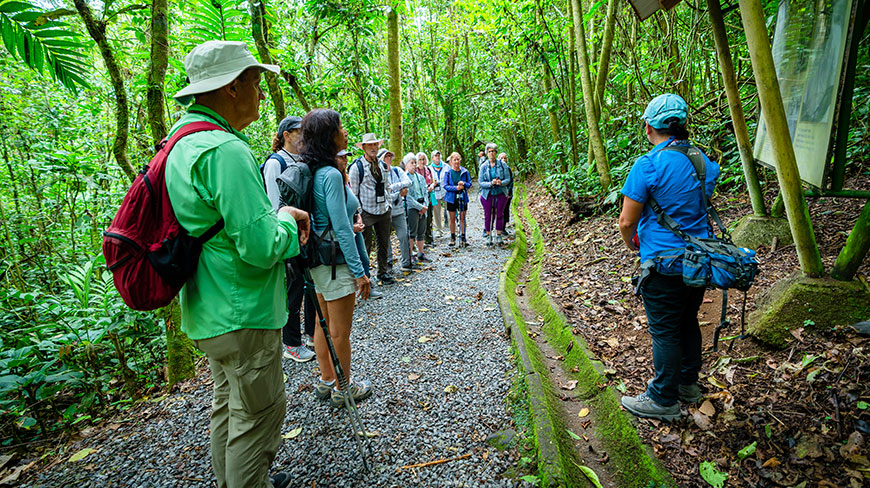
(675, 129)
(318, 138)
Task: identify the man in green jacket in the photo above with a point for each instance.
(233, 307)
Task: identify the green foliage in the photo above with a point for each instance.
(44, 44)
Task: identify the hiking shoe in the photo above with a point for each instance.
(688, 393)
(423, 259)
(499, 241)
(373, 293)
(280, 480)
(644, 406)
(489, 240)
(406, 270)
(386, 279)
(323, 389)
(452, 242)
(300, 353)
(359, 389)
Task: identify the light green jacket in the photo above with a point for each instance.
(239, 282)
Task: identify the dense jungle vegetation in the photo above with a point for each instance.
(84, 95)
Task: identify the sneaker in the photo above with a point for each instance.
(386, 279)
(280, 480)
(406, 270)
(373, 293)
(464, 243)
(323, 389)
(688, 393)
(359, 389)
(644, 406)
(452, 242)
(499, 241)
(300, 353)
(423, 259)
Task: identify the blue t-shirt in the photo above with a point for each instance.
(669, 177)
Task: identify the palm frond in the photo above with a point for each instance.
(43, 44)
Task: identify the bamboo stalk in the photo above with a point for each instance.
(433, 463)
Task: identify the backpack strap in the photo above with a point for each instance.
(167, 145)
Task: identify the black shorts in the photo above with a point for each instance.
(453, 207)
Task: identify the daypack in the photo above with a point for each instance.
(713, 261)
(282, 161)
(296, 185)
(147, 250)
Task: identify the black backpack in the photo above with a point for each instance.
(296, 184)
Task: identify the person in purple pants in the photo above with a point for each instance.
(494, 178)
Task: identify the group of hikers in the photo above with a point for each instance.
(235, 305)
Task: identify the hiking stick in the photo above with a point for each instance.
(349, 403)
(723, 322)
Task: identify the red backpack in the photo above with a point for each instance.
(148, 252)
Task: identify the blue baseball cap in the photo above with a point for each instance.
(664, 107)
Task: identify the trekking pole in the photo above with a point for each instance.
(349, 403)
(723, 322)
(742, 322)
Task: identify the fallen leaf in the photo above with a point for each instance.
(713, 381)
(570, 346)
(448, 298)
(424, 309)
(489, 309)
(569, 385)
(413, 377)
(368, 434)
(612, 342)
(771, 463)
(485, 455)
(80, 455)
(707, 408)
(701, 420)
(583, 412)
(591, 475)
(711, 475)
(747, 451)
(450, 389)
(292, 434)
(796, 333)
(423, 339)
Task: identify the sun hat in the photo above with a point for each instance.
(214, 64)
(292, 122)
(383, 152)
(369, 138)
(664, 107)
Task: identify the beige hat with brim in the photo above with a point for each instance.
(369, 138)
(214, 64)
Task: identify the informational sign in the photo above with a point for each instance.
(808, 51)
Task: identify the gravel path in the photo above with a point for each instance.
(435, 351)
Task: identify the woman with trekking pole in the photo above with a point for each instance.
(456, 182)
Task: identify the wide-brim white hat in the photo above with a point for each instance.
(369, 138)
(214, 64)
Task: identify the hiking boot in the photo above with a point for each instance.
(688, 393)
(280, 480)
(323, 389)
(499, 241)
(359, 389)
(489, 240)
(423, 259)
(644, 406)
(386, 279)
(300, 353)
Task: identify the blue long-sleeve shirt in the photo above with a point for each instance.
(330, 203)
(489, 172)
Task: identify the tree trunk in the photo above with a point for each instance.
(97, 31)
(291, 80)
(396, 143)
(857, 245)
(588, 96)
(260, 32)
(604, 59)
(741, 133)
(780, 138)
(572, 94)
(551, 106)
(157, 71)
(180, 352)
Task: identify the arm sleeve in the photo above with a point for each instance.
(261, 238)
(412, 197)
(333, 190)
(635, 186)
(398, 185)
(271, 171)
(507, 179)
(484, 183)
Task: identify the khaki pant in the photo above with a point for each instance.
(248, 406)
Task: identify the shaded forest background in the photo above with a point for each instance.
(471, 71)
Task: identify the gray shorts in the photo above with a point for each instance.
(333, 289)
